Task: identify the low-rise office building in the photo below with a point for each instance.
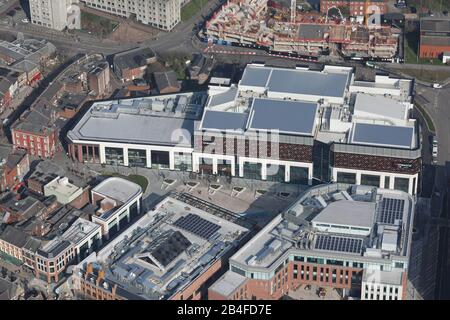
(354, 238)
(77, 242)
(173, 252)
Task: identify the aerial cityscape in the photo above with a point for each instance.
(224, 150)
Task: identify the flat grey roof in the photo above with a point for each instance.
(294, 117)
(222, 120)
(141, 120)
(118, 189)
(380, 105)
(296, 81)
(308, 82)
(134, 128)
(346, 212)
(228, 283)
(382, 135)
(255, 76)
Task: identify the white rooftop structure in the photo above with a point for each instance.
(347, 217)
(376, 107)
(118, 189)
(64, 191)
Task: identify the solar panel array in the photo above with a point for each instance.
(197, 225)
(341, 244)
(391, 210)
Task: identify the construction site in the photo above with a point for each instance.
(284, 28)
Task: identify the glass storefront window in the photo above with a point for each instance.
(401, 184)
(137, 158)
(114, 156)
(183, 161)
(160, 160)
(252, 170)
(370, 180)
(346, 177)
(224, 167)
(276, 173)
(299, 175)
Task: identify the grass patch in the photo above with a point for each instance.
(189, 10)
(426, 117)
(97, 25)
(140, 180)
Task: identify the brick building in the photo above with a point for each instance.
(18, 245)
(17, 209)
(355, 7)
(99, 80)
(434, 37)
(349, 240)
(133, 64)
(14, 165)
(36, 132)
(77, 242)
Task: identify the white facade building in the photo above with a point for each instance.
(55, 14)
(382, 285)
(119, 200)
(161, 14)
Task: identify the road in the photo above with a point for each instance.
(181, 38)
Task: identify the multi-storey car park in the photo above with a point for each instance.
(173, 252)
(282, 125)
(353, 238)
(253, 23)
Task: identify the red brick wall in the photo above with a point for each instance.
(284, 281)
(427, 51)
(47, 150)
(82, 200)
(260, 149)
(374, 163)
(354, 6)
(194, 290)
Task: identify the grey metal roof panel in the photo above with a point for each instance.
(308, 82)
(221, 120)
(294, 117)
(135, 128)
(255, 76)
(383, 135)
